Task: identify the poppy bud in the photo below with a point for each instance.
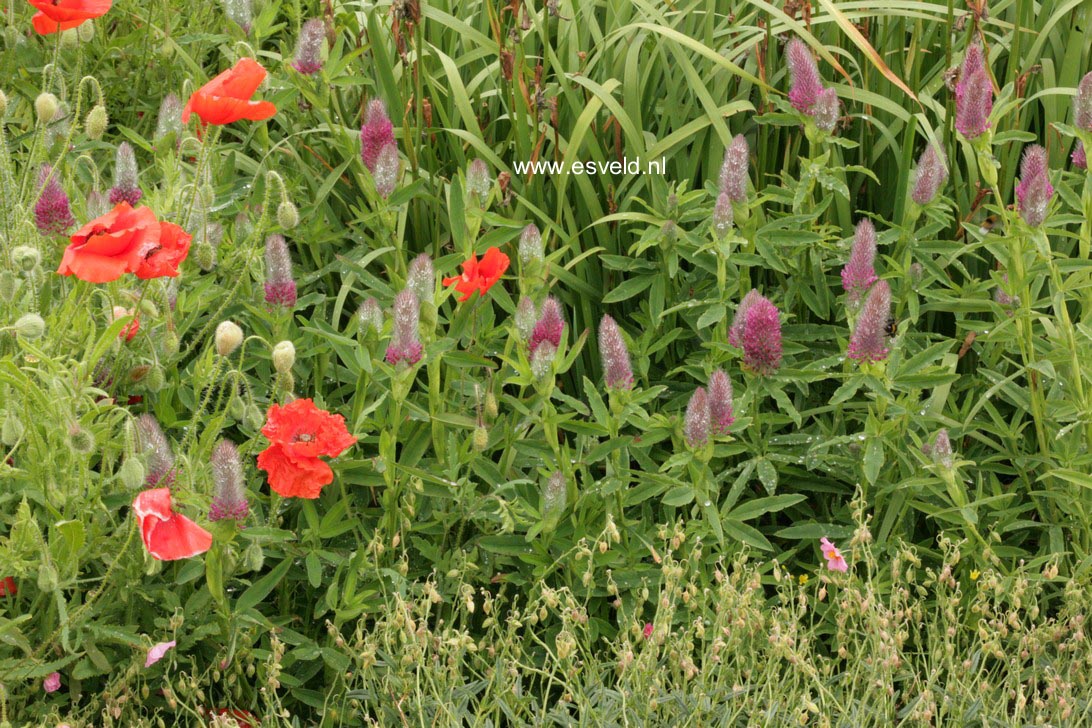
(96, 121)
(86, 32)
(168, 344)
(8, 284)
(253, 559)
(204, 255)
(284, 356)
(12, 430)
(26, 258)
(481, 439)
(69, 38)
(47, 577)
(30, 326)
(155, 379)
(131, 473)
(288, 216)
(254, 416)
(228, 337)
(80, 440)
(45, 106)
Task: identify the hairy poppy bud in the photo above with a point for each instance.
(228, 337)
(204, 254)
(288, 216)
(155, 379)
(284, 357)
(86, 32)
(80, 440)
(168, 344)
(96, 120)
(30, 326)
(131, 473)
(45, 106)
(26, 258)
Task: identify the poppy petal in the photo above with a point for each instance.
(157, 651)
(175, 538)
(290, 478)
(155, 502)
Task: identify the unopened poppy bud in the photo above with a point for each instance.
(284, 357)
(25, 257)
(204, 254)
(288, 216)
(45, 106)
(30, 326)
(481, 439)
(86, 32)
(96, 120)
(530, 245)
(131, 473)
(490, 406)
(254, 416)
(47, 577)
(168, 344)
(69, 38)
(228, 337)
(155, 380)
(80, 440)
(12, 430)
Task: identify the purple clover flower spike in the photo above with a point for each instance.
(720, 402)
(974, 95)
(696, 422)
(169, 120)
(308, 60)
(280, 286)
(154, 445)
(735, 332)
(941, 450)
(405, 343)
(52, 213)
(229, 500)
(859, 273)
(369, 316)
(549, 326)
(929, 176)
(827, 110)
(422, 278)
(1080, 159)
(1082, 103)
(376, 133)
(386, 170)
(806, 83)
(477, 179)
(869, 339)
(734, 170)
(761, 337)
(125, 187)
(96, 204)
(526, 317)
(240, 12)
(723, 216)
(542, 359)
(617, 371)
(530, 245)
(1003, 299)
(1034, 191)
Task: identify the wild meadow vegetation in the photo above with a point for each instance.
(316, 411)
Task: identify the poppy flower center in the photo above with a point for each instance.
(304, 437)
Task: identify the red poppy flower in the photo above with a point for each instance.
(226, 98)
(125, 240)
(298, 434)
(57, 15)
(163, 260)
(129, 331)
(8, 588)
(168, 535)
(479, 275)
